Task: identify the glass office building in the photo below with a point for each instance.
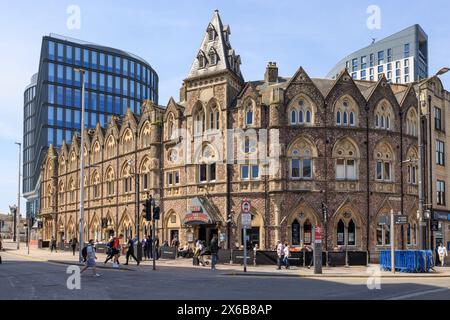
(114, 81)
(401, 57)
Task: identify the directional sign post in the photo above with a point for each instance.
(400, 219)
(317, 254)
(246, 222)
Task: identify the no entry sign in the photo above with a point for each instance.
(246, 206)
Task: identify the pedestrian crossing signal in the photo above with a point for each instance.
(156, 213)
(147, 210)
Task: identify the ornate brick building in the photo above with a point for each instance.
(293, 146)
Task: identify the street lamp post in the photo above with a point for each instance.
(82, 72)
(420, 155)
(18, 199)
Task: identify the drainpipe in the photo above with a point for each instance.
(368, 184)
(430, 168)
(326, 178)
(401, 178)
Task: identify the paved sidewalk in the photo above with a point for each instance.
(65, 257)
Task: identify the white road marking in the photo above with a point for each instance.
(418, 294)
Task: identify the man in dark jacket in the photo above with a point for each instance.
(130, 251)
(214, 248)
(73, 244)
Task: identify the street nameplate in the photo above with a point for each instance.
(400, 219)
(246, 220)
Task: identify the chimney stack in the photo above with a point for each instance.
(271, 75)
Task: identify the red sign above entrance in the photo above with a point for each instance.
(196, 218)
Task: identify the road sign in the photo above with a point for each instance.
(318, 234)
(400, 219)
(383, 220)
(246, 220)
(246, 206)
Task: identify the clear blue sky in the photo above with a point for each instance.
(312, 34)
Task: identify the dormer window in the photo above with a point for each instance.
(201, 60)
(211, 33)
(213, 57)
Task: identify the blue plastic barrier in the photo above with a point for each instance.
(411, 261)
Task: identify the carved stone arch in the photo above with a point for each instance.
(411, 121)
(344, 146)
(126, 224)
(206, 153)
(127, 140)
(111, 146)
(347, 213)
(96, 151)
(171, 126)
(109, 173)
(145, 134)
(301, 144)
(71, 229)
(298, 225)
(95, 228)
(384, 151)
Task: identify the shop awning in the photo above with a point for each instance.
(201, 211)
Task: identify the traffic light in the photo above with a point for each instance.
(156, 213)
(147, 210)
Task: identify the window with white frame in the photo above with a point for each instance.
(250, 172)
(384, 157)
(249, 113)
(440, 192)
(383, 234)
(346, 156)
(440, 153)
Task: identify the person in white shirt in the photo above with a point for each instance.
(280, 254)
(287, 254)
(442, 252)
(90, 258)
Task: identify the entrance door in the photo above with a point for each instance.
(173, 235)
(202, 233)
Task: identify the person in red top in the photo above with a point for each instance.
(115, 250)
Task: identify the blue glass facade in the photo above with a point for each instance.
(114, 81)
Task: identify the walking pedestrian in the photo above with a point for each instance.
(144, 247)
(116, 250)
(89, 251)
(280, 253)
(53, 245)
(157, 247)
(310, 249)
(214, 248)
(176, 244)
(442, 252)
(287, 254)
(110, 250)
(73, 244)
(130, 251)
(255, 249)
(149, 245)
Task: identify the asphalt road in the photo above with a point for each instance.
(22, 278)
